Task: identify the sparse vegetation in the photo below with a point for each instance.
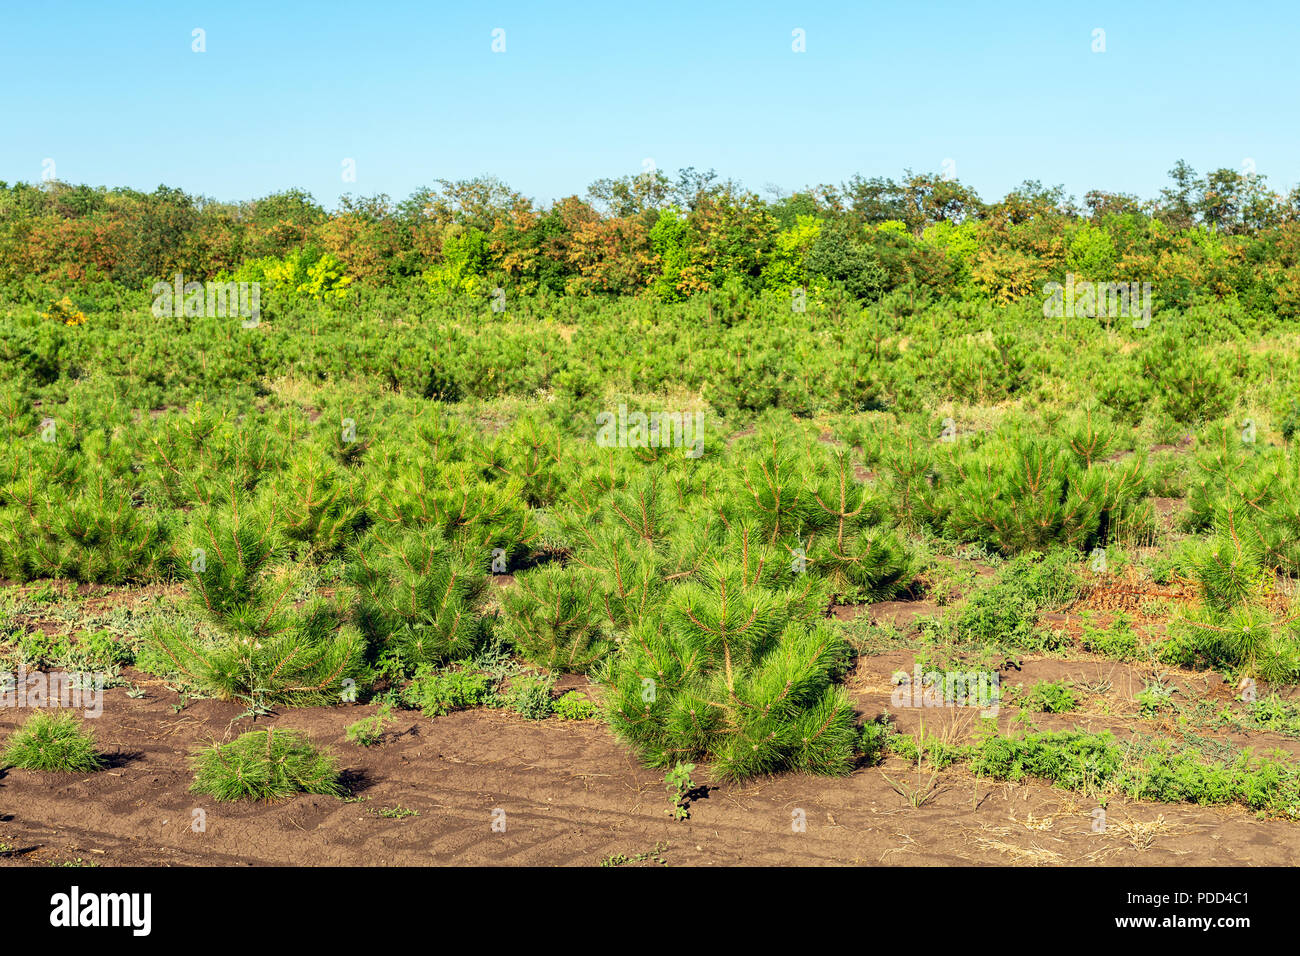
(574, 706)
(1051, 697)
(680, 785)
(370, 730)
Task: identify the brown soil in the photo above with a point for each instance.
(572, 795)
(1183, 446)
(1169, 510)
(904, 613)
(981, 569)
(900, 613)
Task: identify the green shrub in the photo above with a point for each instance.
(1071, 759)
(1274, 713)
(552, 617)
(574, 706)
(264, 765)
(1233, 627)
(1142, 768)
(1051, 697)
(532, 696)
(860, 557)
(1026, 493)
(873, 740)
(100, 651)
(1191, 383)
(1006, 612)
(418, 601)
(1155, 697)
(53, 741)
(1118, 641)
(320, 512)
(266, 651)
(1160, 770)
(36, 649)
(439, 692)
(370, 730)
(737, 673)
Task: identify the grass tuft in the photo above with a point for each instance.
(55, 742)
(264, 765)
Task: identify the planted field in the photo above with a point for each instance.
(404, 577)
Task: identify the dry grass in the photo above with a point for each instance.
(1141, 835)
(919, 795)
(990, 839)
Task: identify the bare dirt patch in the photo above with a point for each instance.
(572, 795)
(902, 614)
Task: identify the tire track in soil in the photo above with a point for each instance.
(572, 795)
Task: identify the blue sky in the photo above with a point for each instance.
(413, 92)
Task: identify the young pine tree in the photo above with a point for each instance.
(554, 617)
(418, 599)
(267, 650)
(734, 672)
(1241, 623)
(854, 549)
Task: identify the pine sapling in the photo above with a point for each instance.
(552, 617)
(265, 764)
(54, 742)
(267, 652)
(418, 599)
(370, 730)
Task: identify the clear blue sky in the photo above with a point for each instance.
(413, 92)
